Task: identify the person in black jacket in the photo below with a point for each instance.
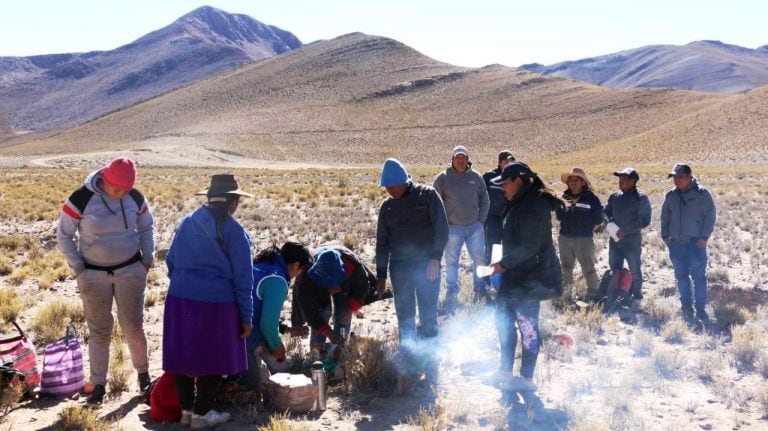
(530, 270)
(579, 218)
(492, 224)
(411, 235)
(336, 283)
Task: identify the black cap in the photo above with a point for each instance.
(512, 171)
(506, 155)
(679, 169)
(628, 172)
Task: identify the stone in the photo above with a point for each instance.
(293, 392)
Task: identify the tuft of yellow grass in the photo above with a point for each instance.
(730, 314)
(368, 365)
(78, 418)
(433, 418)
(10, 304)
(51, 320)
(119, 371)
(281, 422)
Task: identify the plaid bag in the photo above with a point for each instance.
(18, 362)
(63, 366)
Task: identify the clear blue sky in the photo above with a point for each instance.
(466, 33)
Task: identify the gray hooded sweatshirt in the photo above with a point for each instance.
(106, 231)
(464, 195)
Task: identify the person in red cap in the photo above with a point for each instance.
(105, 232)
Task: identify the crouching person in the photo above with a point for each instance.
(335, 284)
(273, 270)
(530, 271)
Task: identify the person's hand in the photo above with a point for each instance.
(381, 285)
(299, 331)
(279, 353)
(667, 241)
(433, 270)
(497, 268)
(147, 265)
(620, 234)
(245, 330)
(702, 243)
(598, 228)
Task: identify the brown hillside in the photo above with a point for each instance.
(357, 99)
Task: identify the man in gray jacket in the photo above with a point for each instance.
(466, 204)
(687, 220)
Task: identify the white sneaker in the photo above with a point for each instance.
(186, 418)
(209, 420)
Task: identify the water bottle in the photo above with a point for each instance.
(318, 378)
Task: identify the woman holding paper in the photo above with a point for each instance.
(529, 268)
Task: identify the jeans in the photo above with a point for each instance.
(629, 249)
(581, 249)
(524, 314)
(409, 287)
(690, 262)
(475, 238)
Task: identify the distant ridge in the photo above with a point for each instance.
(49, 91)
(706, 65)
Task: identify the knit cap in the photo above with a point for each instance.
(328, 269)
(120, 173)
(393, 173)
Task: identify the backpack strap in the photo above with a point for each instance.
(139, 199)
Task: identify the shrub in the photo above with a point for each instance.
(368, 365)
(50, 321)
(10, 305)
(668, 363)
(642, 343)
(674, 331)
(77, 418)
(119, 371)
(747, 344)
(730, 314)
(280, 422)
(429, 419)
(659, 311)
(9, 396)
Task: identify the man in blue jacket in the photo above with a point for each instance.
(410, 239)
(630, 210)
(687, 220)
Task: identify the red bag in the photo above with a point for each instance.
(19, 361)
(622, 280)
(164, 404)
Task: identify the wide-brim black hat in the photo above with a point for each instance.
(222, 185)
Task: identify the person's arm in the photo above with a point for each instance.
(239, 254)
(69, 222)
(608, 210)
(596, 211)
(273, 291)
(645, 212)
(145, 228)
(666, 214)
(309, 296)
(710, 215)
(485, 202)
(382, 244)
(439, 221)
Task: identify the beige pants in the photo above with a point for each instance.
(97, 289)
(581, 249)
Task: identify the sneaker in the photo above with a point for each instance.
(144, 381)
(97, 396)
(186, 418)
(209, 420)
(517, 384)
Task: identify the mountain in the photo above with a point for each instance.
(358, 99)
(49, 91)
(710, 66)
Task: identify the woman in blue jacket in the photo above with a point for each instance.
(209, 308)
(530, 270)
(273, 270)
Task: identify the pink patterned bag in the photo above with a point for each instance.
(63, 366)
(18, 362)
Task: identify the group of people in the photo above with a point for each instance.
(222, 311)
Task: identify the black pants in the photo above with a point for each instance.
(197, 393)
(493, 234)
(522, 317)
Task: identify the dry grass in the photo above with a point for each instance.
(52, 318)
(281, 422)
(761, 395)
(368, 365)
(10, 305)
(432, 418)
(731, 314)
(119, 370)
(77, 418)
(747, 345)
(9, 396)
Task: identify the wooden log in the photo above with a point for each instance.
(293, 392)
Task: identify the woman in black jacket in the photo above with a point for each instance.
(530, 270)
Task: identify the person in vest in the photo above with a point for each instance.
(335, 284)
(209, 307)
(105, 232)
(630, 211)
(579, 218)
(529, 268)
(492, 225)
(466, 204)
(273, 270)
(411, 234)
(688, 217)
